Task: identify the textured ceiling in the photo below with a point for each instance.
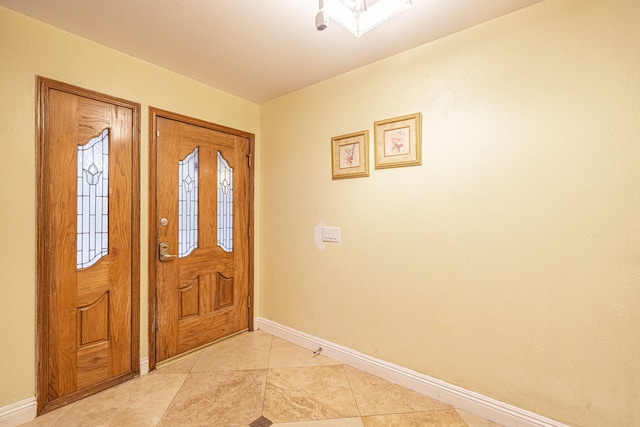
(255, 49)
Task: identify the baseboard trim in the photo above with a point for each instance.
(18, 413)
(458, 397)
(24, 411)
(144, 366)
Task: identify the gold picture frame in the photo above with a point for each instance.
(350, 155)
(398, 141)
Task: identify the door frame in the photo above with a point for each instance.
(44, 85)
(154, 114)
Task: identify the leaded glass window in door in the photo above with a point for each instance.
(225, 204)
(188, 204)
(93, 200)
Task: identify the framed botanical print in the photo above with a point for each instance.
(398, 141)
(350, 155)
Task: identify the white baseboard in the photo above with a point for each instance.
(502, 413)
(144, 366)
(458, 397)
(24, 411)
(18, 413)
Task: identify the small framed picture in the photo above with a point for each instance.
(398, 141)
(350, 155)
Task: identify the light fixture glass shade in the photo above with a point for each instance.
(360, 16)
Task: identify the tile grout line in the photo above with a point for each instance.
(266, 379)
(173, 398)
(412, 411)
(463, 420)
(179, 388)
(352, 393)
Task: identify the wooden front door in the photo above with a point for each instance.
(88, 250)
(200, 220)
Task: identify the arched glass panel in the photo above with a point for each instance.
(188, 204)
(225, 204)
(93, 200)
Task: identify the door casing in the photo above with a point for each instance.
(154, 114)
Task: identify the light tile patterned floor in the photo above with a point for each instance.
(257, 380)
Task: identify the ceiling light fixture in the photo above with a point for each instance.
(358, 16)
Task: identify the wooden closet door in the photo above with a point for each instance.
(88, 214)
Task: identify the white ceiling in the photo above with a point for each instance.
(255, 49)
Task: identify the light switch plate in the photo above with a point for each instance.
(331, 234)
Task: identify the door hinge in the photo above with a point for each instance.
(157, 133)
(249, 301)
(249, 157)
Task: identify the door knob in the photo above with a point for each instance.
(164, 252)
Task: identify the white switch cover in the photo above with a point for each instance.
(331, 234)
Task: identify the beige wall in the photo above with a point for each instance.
(509, 262)
(27, 49)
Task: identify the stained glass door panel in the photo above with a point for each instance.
(93, 200)
(188, 205)
(225, 204)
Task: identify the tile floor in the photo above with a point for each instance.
(258, 380)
